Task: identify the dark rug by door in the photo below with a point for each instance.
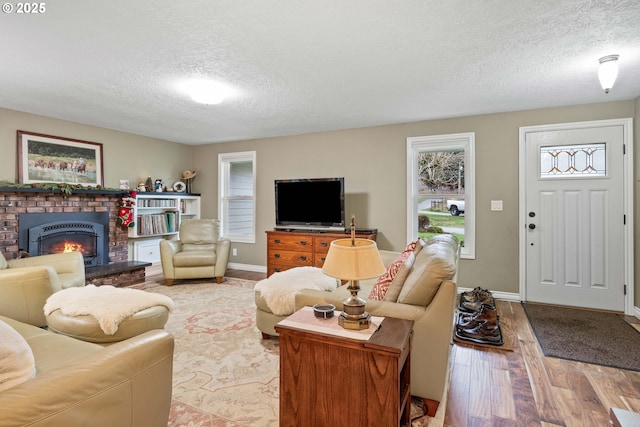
(585, 336)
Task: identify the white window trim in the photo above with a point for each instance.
(224, 159)
(465, 141)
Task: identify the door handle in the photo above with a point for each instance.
(532, 226)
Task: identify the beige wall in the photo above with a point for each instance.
(373, 162)
(125, 156)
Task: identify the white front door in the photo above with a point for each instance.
(575, 217)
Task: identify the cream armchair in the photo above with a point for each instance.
(26, 283)
(199, 253)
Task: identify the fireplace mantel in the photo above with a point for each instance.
(95, 191)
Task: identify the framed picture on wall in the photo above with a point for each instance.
(46, 158)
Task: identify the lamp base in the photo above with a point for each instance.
(355, 322)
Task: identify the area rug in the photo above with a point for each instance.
(224, 373)
(588, 336)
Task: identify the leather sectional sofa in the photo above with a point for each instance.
(76, 383)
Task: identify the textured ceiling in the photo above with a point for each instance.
(298, 66)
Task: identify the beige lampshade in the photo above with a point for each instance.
(353, 262)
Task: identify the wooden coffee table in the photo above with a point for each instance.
(330, 376)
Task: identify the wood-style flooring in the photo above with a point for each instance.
(496, 388)
(490, 387)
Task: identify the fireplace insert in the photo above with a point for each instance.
(50, 233)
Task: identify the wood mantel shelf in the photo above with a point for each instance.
(96, 191)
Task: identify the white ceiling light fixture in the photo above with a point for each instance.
(608, 71)
(206, 91)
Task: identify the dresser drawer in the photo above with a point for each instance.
(291, 243)
(318, 260)
(321, 244)
(278, 256)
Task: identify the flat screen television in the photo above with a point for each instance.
(310, 204)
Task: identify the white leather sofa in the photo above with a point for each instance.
(26, 283)
(76, 383)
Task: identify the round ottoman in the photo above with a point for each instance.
(87, 328)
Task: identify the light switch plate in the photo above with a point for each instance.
(496, 205)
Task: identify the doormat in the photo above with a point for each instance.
(596, 337)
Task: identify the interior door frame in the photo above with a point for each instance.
(627, 125)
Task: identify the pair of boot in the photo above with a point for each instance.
(471, 301)
(482, 326)
(478, 320)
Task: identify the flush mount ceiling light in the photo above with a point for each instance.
(206, 91)
(608, 71)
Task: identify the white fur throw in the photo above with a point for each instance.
(279, 290)
(108, 304)
(17, 364)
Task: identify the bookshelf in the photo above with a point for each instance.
(158, 216)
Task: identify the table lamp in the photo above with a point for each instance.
(353, 259)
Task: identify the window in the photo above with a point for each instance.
(562, 161)
(441, 188)
(237, 190)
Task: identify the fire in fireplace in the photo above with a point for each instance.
(50, 233)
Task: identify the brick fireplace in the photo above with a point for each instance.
(15, 202)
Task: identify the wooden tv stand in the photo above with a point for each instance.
(288, 249)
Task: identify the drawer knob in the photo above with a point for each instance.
(276, 241)
(303, 257)
(303, 242)
(276, 255)
(325, 244)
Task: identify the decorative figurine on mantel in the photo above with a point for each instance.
(149, 184)
(187, 176)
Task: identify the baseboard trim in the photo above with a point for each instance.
(247, 267)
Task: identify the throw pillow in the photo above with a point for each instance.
(381, 287)
(17, 364)
(396, 284)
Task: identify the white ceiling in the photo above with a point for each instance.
(299, 66)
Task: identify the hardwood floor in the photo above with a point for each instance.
(496, 388)
(490, 387)
(246, 275)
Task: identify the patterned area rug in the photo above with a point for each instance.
(224, 373)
